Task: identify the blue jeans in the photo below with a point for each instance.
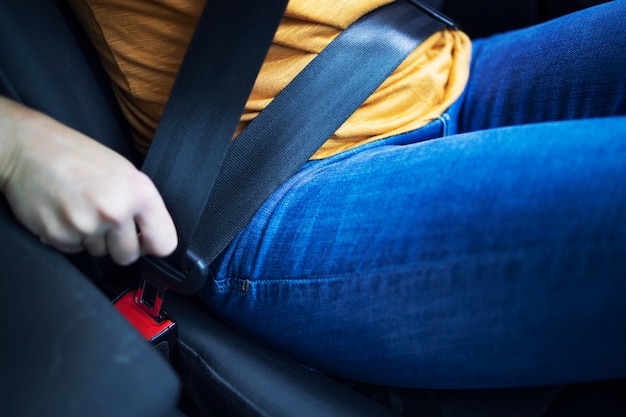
(487, 249)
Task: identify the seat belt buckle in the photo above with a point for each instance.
(142, 307)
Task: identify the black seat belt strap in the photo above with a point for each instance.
(206, 103)
(305, 114)
(278, 141)
(214, 81)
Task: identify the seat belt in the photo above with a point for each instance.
(214, 81)
(213, 185)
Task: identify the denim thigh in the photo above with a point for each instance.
(487, 259)
(567, 68)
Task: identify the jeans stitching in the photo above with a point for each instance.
(232, 282)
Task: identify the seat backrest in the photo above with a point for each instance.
(66, 351)
(47, 63)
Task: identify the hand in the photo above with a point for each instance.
(75, 193)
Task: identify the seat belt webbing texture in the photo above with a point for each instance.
(207, 99)
(211, 205)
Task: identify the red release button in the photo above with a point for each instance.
(149, 327)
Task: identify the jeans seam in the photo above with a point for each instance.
(526, 255)
(244, 284)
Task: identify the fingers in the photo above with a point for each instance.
(55, 233)
(123, 243)
(130, 221)
(150, 231)
(96, 245)
(69, 248)
(158, 233)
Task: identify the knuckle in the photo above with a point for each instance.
(127, 259)
(112, 214)
(123, 246)
(84, 223)
(137, 191)
(146, 189)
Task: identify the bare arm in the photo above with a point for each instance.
(75, 193)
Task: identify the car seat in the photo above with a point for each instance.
(68, 352)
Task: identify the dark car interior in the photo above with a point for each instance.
(67, 352)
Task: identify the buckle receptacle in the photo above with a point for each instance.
(160, 330)
(143, 307)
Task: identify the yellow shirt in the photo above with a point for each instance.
(141, 44)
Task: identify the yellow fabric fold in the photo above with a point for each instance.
(142, 43)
